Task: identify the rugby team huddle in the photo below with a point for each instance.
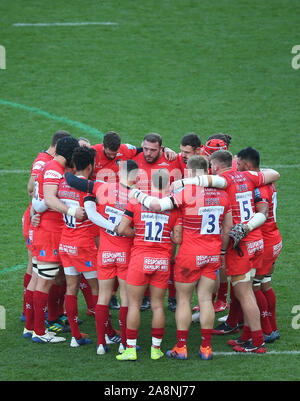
(139, 221)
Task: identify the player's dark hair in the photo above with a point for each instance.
(196, 162)
(58, 135)
(191, 139)
(160, 178)
(224, 157)
(65, 147)
(225, 137)
(83, 157)
(112, 141)
(81, 138)
(153, 138)
(250, 154)
(129, 169)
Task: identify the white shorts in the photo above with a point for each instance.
(71, 271)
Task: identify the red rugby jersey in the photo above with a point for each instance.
(203, 210)
(39, 162)
(111, 203)
(240, 188)
(269, 229)
(152, 229)
(51, 174)
(75, 232)
(107, 169)
(146, 169)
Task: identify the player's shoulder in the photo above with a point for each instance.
(97, 147)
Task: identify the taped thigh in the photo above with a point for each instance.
(48, 271)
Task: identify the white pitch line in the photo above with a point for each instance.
(283, 166)
(64, 23)
(14, 171)
(250, 353)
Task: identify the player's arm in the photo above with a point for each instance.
(30, 186)
(82, 184)
(124, 228)
(226, 227)
(260, 216)
(94, 216)
(151, 202)
(52, 202)
(206, 181)
(169, 154)
(270, 175)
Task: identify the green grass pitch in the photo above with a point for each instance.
(168, 66)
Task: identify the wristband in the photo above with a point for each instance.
(72, 211)
(223, 251)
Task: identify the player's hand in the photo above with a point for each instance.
(35, 219)
(237, 233)
(80, 213)
(176, 185)
(223, 263)
(170, 154)
(134, 193)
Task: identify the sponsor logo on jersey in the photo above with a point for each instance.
(52, 174)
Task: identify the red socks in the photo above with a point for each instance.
(87, 293)
(271, 300)
(206, 335)
(56, 301)
(101, 316)
(122, 323)
(72, 313)
(29, 310)
(182, 336)
(223, 292)
(40, 300)
(257, 338)
(263, 309)
(26, 280)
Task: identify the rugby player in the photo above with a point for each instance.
(249, 159)
(47, 234)
(149, 264)
(77, 247)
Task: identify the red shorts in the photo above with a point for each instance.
(46, 245)
(190, 268)
(271, 252)
(84, 259)
(111, 264)
(149, 268)
(253, 254)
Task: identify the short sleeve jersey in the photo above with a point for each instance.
(203, 211)
(75, 232)
(146, 169)
(269, 229)
(39, 162)
(111, 203)
(107, 169)
(240, 189)
(51, 174)
(152, 229)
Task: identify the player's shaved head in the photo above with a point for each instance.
(160, 179)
